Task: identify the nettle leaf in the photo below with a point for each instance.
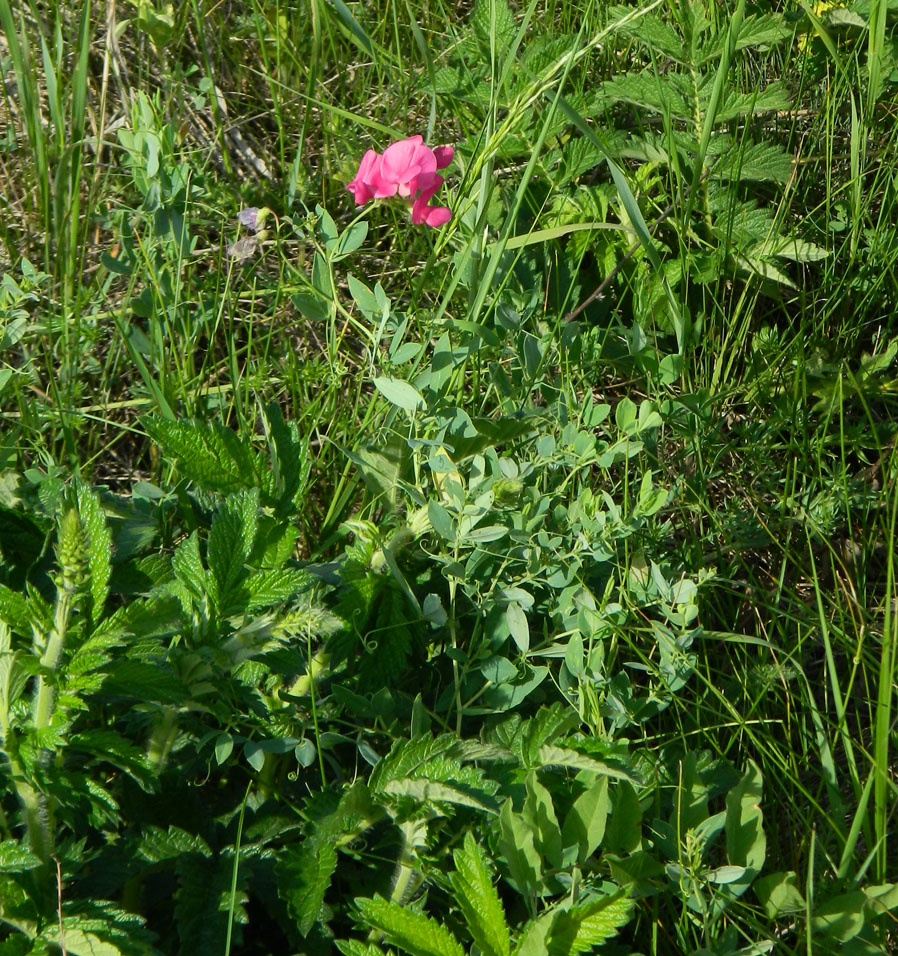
(16, 858)
(492, 19)
(757, 30)
(157, 844)
(769, 100)
(478, 900)
(304, 874)
(550, 756)
(758, 162)
(266, 588)
(407, 758)
(581, 928)
(653, 32)
(231, 540)
(412, 932)
(99, 537)
(14, 609)
(429, 792)
(201, 904)
(208, 453)
(352, 947)
(647, 90)
(188, 567)
(291, 462)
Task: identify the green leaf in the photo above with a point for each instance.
(515, 617)
(208, 453)
(79, 943)
(779, 894)
(533, 941)
(231, 540)
(266, 588)
(16, 858)
(99, 537)
(350, 240)
(493, 25)
(410, 931)
(13, 608)
(539, 812)
(304, 875)
(518, 847)
(157, 844)
(745, 839)
(841, 917)
(581, 928)
(478, 900)
(584, 825)
(429, 791)
(352, 947)
(550, 756)
(188, 566)
(399, 393)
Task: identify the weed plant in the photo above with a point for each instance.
(524, 584)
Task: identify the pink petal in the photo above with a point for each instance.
(429, 215)
(443, 156)
(360, 186)
(404, 161)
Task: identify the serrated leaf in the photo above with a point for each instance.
(304, 875)
(550, 756)
(478, 900)
(16, 858)
(188, 566)
(13, 608)
(757, 162)
(79, 943)
(413, 932)
(266, 588)
(491, 20)
(231, 540)
(99, 537)
(209, 453)
(581, 928)
(352, 947)
(408, 758)
(430, 791)
(157, 844)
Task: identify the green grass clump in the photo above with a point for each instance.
(522, 586)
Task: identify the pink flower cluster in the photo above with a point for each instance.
(407, 168)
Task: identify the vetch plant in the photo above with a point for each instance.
(408, 169)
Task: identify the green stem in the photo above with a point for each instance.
(45, 693)
(163, 737)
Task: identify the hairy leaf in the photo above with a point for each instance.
(99, 538)
(410, 931)
(304, 874)
(478, 900)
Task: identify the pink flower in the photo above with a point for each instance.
(359, 187)
(408, 169)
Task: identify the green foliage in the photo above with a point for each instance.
(515, 587)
